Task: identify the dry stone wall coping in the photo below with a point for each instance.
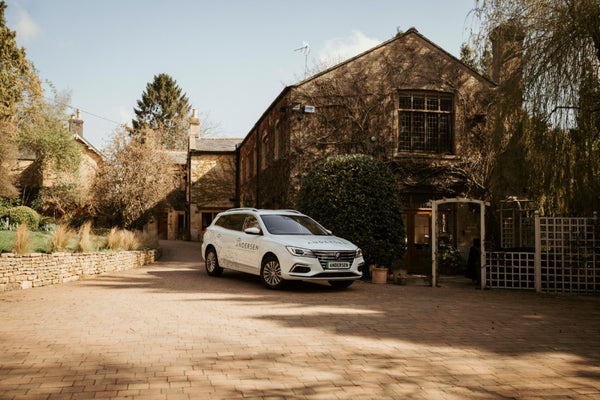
(25, 271)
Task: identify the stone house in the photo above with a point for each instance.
(212, 171)
(168, 219)
(407, 102)
(92, 157)
(31, 176)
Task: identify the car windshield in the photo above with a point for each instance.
(292, 225)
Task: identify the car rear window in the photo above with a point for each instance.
(292, 225)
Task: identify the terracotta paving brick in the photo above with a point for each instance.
(169, 331)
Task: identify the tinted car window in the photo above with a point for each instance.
(222, 220)
(231, 221)
(292, 225)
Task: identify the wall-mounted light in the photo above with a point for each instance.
(373, 139)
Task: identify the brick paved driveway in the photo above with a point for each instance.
(170, 331)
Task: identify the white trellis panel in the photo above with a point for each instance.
(566, 259)
(569, 255)
(510, 270)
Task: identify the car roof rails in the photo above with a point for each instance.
(243, 209)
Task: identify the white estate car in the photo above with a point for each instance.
(279, 245)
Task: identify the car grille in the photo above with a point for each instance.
(328, 256)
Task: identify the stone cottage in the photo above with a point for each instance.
(31, 177)
(212, 171)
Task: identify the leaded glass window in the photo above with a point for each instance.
(425, 123)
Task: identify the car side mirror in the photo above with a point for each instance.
(252, 230)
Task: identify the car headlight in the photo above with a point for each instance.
(299, 251)
(358, 253)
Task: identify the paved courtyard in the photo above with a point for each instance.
(170, 331)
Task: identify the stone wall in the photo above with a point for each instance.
(34, 270)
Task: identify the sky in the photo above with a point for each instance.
(231, 57)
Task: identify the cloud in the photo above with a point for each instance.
(339, 49)
(26, 27)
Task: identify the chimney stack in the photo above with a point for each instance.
(507, 50)
(76, 124)
(194, 129)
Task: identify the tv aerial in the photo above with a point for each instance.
(304, 49)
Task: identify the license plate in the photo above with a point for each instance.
(337, 265)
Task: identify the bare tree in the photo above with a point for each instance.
(136, 176)
(560, 47)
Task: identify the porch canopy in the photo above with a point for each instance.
(434, 252)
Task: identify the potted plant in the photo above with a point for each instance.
(379, 274)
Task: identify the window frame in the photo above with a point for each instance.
(264, 150)
(421, 142)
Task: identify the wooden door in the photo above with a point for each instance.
(418, 243)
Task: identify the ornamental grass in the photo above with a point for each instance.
(85, 238)
(22, 240)
(61, 237)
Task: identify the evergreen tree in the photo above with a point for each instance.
(165, 109)
(19, 86)
(17, 75)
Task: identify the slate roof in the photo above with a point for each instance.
(88, 145)
(215, 145)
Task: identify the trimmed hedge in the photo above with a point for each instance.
(24, 214)
(357, 197)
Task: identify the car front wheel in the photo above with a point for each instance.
(270, 273)
(212, 263)
(341, 284)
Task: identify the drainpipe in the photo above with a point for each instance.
(237, 201)
(188, 195)
(257, 144)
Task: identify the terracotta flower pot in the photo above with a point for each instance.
(379, 275)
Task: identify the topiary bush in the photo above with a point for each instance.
(6, 204)
(25, 214)
(357, 197)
